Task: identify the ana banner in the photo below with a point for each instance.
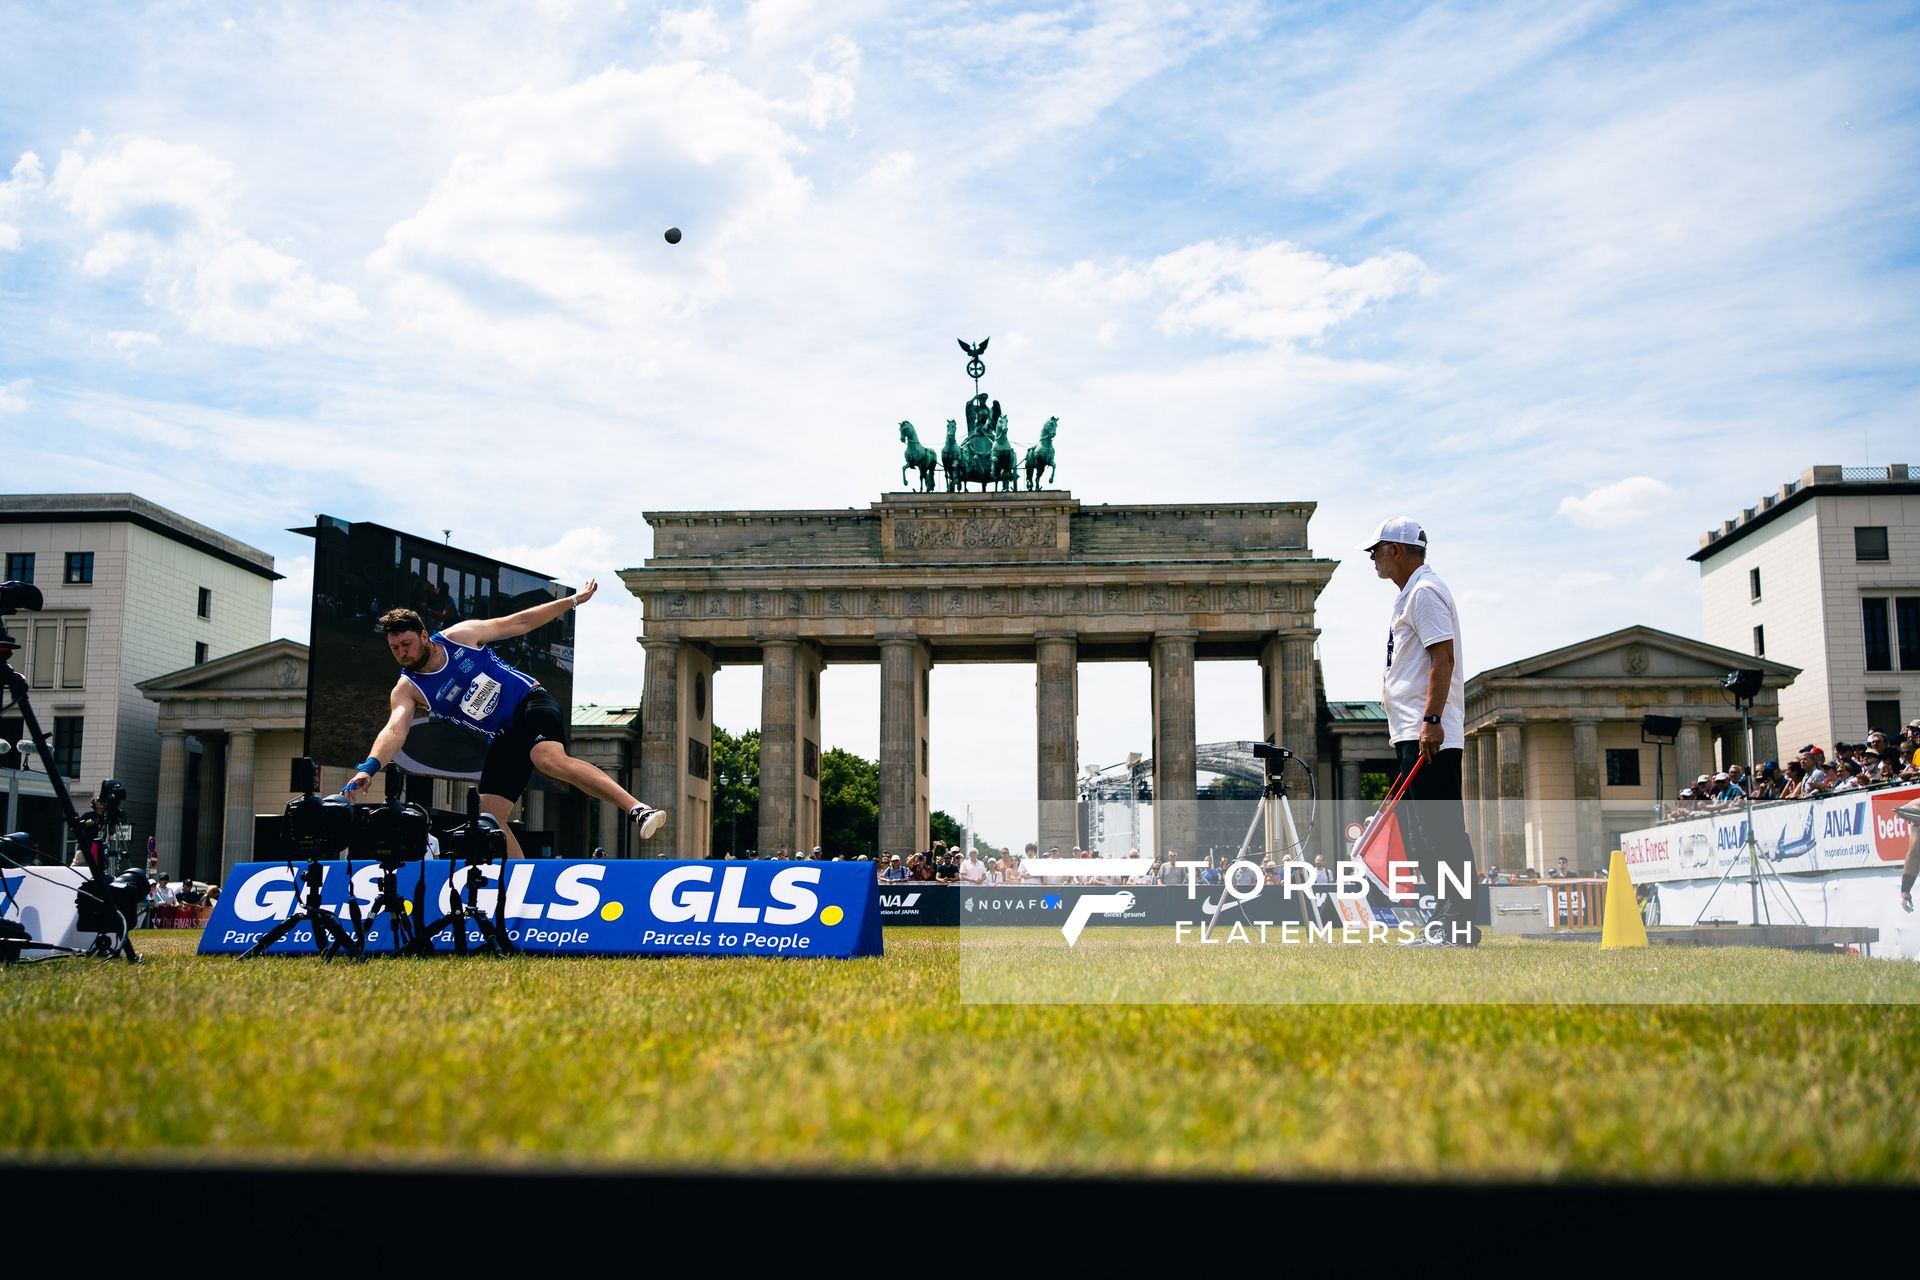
(1842, 831)
(598, 908)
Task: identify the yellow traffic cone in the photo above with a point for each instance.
(1622, 926)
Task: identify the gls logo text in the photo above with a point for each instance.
(269, 894)
(675, 901)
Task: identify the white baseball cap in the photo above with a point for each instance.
(1397, 529)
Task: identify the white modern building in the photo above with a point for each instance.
(1824, 575)
(133, 591)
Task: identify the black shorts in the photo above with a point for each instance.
(510, 756)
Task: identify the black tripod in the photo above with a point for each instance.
(396, 834)
(478, 843)
(107, 907)
(330, 937)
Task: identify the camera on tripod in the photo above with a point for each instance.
(15, 596)
(315, 826)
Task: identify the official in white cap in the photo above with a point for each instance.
(1425, 694)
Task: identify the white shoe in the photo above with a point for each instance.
(648, 817)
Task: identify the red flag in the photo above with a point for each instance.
(1381, 846)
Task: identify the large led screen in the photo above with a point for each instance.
(360, 570)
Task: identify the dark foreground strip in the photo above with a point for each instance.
(234, 1211)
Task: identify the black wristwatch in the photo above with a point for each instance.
(1429, 719)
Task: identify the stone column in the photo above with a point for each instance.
(779, 745)
(660, 738)
(1587, 828)
(1286, 679)
(1175, 751)
(1470, 789)
(533, 810)
(212, 790)
(1513, 793)
(238, 846)
(171, 812)
(904, 664)
(1057, 704)
(1486, 842)
(1766, 740)
(1349, 809)
(789, 744)
(1686, 750)
(609, 827)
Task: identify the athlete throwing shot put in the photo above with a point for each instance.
(452, 675)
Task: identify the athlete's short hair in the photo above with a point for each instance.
(394, 621)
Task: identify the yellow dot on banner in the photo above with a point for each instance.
(406, 908)
(832, 915)
(611, 911)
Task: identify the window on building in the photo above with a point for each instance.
(199, 652)
(1873, 620)
(73, 656)
(67, 733)
(699, 758)
(1759, 642)
(46, 653)
(1884, 716)
(1906, 613)
(19, 566)
(1753, 583)
(206, 602)
(1623, 766)
(80, 568)
(810, 758)
(1870, 542)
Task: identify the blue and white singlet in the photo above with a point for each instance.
(473, 687)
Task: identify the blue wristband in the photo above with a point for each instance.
(370, 765)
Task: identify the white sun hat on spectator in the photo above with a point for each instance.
(1397, 529)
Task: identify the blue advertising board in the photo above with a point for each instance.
(587, 907)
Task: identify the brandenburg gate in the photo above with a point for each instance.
(924, 577)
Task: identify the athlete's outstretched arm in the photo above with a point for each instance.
(401, 706)
(478, 631)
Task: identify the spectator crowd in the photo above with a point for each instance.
(1880, 761)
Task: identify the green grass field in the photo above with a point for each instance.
(882, 1064)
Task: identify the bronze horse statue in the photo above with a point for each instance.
(1005, 468)
(1040, 456)
(950, 457)
(919, 457)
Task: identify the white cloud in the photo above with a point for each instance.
(543, 240)
(830, 77)
(1619, 505)
(130, 342)
(1270, 293)
(13, 395)
(693, 33)
(892, 168)
(166, 209)
(772, 19)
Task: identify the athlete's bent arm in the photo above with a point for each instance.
(392, 736)
(475, 632)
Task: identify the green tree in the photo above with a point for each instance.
(736, 791)
(849, 805)
(942, 825)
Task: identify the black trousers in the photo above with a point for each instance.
(1433, 821)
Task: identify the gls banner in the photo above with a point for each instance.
(595, 908)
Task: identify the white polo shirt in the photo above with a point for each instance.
(1423, 614)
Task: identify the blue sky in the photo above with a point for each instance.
(1568, 283)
